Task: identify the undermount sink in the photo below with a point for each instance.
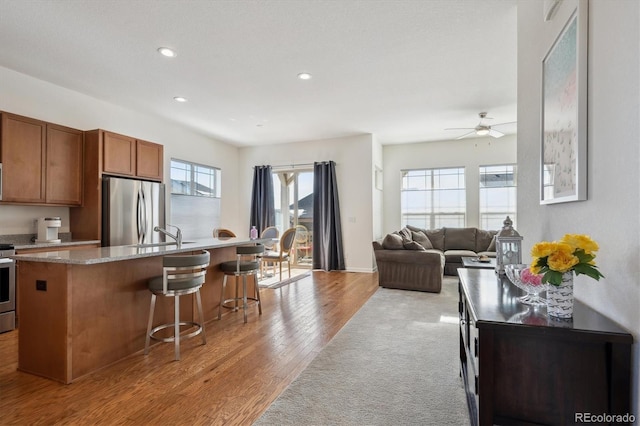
(168, 243)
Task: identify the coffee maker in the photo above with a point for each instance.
(48, 229)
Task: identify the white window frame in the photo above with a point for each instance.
(434, 218)
(190, 187)
(511, 211)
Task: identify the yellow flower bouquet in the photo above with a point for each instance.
(573, 253)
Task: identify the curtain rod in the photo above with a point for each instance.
(294, 166)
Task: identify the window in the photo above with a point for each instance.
(498, 186)
(433, 198)
(194, 179)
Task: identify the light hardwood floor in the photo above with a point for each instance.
(231, 380)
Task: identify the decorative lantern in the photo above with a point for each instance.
(508, 247)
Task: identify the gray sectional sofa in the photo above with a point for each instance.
(417, 259)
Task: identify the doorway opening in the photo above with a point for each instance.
(293, 199)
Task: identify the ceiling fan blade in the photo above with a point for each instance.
(495, 133)
(473, 132)
(460, 128)
(502, 124)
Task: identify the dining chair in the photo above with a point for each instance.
(223, 233)
(270, 232)
(284, 253)
(303, 243)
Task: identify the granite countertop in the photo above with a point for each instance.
(113, 254)
(61, 244)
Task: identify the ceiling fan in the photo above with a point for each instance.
(482, 129)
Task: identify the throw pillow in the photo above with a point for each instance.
(436, 236)
(392, 242)
(492, 244)
(422, 239)
(405, 234)
(412, 245)
(483, 239)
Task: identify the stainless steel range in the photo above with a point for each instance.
(7, 288)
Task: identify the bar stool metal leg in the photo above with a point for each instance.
(152, 309)
(201, 313)
(244, 297)
(176, 327)
(224, 284)
(257, 290)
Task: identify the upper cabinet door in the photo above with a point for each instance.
(149, 158)
(64, 165)
(119, 154)
(23, 159)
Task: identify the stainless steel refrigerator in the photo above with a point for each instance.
(130, 210)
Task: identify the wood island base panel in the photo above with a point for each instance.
(81, 310)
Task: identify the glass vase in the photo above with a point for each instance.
(560, 298)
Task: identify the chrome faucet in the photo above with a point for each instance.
(177, 237)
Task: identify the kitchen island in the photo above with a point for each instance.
(81, 310)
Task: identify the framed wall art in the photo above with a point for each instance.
(563, 173)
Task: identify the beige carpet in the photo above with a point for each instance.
(273, 280)
(396, 362)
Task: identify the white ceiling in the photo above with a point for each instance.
(403, 70)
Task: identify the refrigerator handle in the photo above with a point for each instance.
(140, 218)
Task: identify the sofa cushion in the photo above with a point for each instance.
(392, 242)
(421, 238)
(460, 239)
(483, 239)
(412, 245)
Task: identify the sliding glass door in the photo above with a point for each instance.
(293, 198)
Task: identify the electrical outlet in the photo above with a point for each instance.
(41, 285)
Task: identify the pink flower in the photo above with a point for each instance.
(530, 278)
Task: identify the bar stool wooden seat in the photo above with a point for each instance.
(181, 275)
(247, 263)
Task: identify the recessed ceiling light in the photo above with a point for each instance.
(179, 99)
(169, 53)
(304, 76)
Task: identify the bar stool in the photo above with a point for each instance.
(181, 275)
(247, 263)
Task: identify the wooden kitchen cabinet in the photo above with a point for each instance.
(64, 165)
(119, 153)
(41, 162)
(127, 156)
(149, 159)
(23, 159)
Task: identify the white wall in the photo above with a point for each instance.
(610, 215)
(24, 95)
(378, 193)
(354, 172)
(469, 153)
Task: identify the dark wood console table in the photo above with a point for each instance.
(521, 367)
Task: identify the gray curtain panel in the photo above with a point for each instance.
(328, 253)
(263, 212)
